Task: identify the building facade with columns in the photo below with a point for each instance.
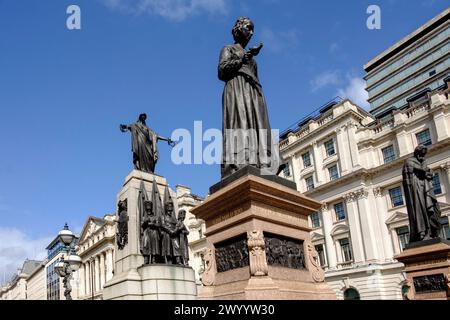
(36, 288)
(352, 163)
(96, 249)
(18, 287)
(196, 238)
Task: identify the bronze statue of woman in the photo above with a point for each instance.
(144, 144)
(247, 136)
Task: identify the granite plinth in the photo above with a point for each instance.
(250, 170)
(132, 280)
(424, 243)
(154, 282)
(427, 268)
(256, 209)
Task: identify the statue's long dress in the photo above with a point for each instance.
(243, 107)
(144, 147)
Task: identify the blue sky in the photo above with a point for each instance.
(64, 93)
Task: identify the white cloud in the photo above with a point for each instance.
(280, 41)
(356, 92)
(327, 78)
(175, 10)
(15, 247)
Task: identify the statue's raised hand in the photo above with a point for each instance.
(123, 128)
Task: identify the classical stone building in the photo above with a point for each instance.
(352, 163)
(16, 289)
(36, 283)
(351, 160)
(197, 240)
(96, 249)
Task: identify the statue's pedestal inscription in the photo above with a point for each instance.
(427, 268)
(132, 279)
(258, 243)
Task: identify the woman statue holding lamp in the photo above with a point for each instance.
(247, 136)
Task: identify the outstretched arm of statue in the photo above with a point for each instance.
(169, 141)
(124, 127)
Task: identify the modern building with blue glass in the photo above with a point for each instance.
(413, 67)
(54, 283)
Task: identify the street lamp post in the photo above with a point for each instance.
(67, 265)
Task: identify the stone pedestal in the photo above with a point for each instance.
(131, 279)
(154, 282)
(427, 267)
(259, 244)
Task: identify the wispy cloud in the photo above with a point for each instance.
(355, 91)
(334, 47)
(175, 10)
(279, 41)
(327, 78)
(15, 247)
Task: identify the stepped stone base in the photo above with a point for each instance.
(259, 244)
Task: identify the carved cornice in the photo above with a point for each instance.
(446, 167)
(378, 192)
(362, 193)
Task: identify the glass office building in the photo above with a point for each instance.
(417, 64)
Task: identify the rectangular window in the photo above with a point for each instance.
(388, 154)
(339, 211)
(334, 173)
(287, 171)
(315, 220)
(396, 197)
(309, 183)
(403, 237)
(346, 249)
(321, 253)
(424, 138)
(437, 184)
(306, 160)
(329, 147)
(445, 228)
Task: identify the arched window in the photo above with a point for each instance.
(351, 294)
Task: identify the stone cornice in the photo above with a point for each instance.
(348, 113)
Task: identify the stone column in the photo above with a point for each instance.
(446, 169)
(96, 274)
(81, 279)
(109, 263)
(101, 269)
(342, 149)
(318, 161)
(371, 236)
(354, 152)
(404, 143)
(88, 278)
(355, 228)
(381, 211)
(327, 221)
(440, 117)
(295, 168)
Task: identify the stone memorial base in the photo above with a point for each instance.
(132, 280)
(154, 282)
(427, 267)
(259, 242)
